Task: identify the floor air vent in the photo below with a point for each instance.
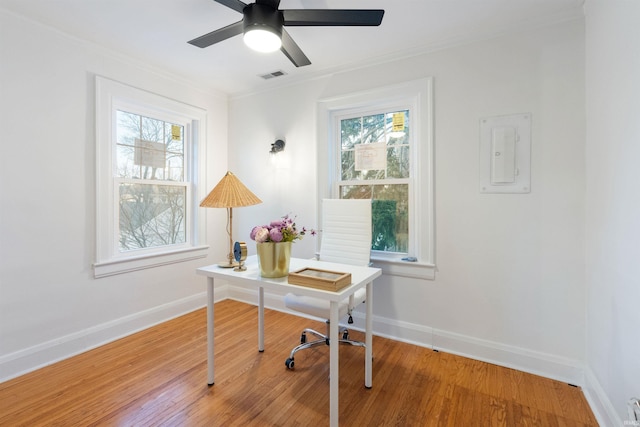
(273, 74)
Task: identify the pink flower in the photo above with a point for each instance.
(261, 235)
(252, 235)
(275, 234)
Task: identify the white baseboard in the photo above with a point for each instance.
(525, 360)
(538, 363)
(29, 359)
(600, 404)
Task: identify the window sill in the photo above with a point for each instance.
(119, 266)
(415, 270)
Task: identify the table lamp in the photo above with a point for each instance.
(229, 193)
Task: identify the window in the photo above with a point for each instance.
(151, 184)
(147, 163)
(375, 164)
(378, 145)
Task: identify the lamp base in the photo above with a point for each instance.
(227, 264)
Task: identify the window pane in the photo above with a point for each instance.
(152, 130)
(175, 152)
(174, 137)
(398, 161)
(149, 148)
(151, 216)
(373, 129)
(175, 167)
(348, 166)
(398, 130)
(350, 132)
(390, 214)
(372, 174)
(128, 128)
(125, 162)
(349, 172)
(356, 191)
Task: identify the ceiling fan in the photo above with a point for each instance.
(262, 25)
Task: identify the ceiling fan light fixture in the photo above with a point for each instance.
(262, 39)
(263, 25)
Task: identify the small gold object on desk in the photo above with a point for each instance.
(320, 279)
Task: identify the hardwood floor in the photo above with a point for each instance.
(158, 377)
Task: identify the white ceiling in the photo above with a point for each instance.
(156, 33)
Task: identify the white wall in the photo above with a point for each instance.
(510, 286)
(613, 205)
(512, 268)
(50, 305)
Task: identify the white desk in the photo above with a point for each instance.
(360, 277)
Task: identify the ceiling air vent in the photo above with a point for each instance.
(273, 75)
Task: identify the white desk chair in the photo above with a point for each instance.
(346, 238)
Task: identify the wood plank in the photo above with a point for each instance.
(158, 376)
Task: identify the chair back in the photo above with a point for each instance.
(346, 231)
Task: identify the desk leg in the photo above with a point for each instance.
(210, 378)
(368, 338)
(333, 365)
(261, 319)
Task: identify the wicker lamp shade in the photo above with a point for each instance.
(230, 193)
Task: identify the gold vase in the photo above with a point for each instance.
(274, 258)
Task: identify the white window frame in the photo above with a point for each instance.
(110, 97)
(417, 96)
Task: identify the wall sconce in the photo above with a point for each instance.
(277, 146)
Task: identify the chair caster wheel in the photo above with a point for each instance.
(289, 363)
(303, 338)
(345, 335)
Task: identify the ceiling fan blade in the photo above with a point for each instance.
(293, 51)
(236, 5)
(218, 35)
(271, 3)
(332, 17)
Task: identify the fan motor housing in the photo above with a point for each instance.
(259, 16)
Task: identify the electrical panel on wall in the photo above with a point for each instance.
(505, 154)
